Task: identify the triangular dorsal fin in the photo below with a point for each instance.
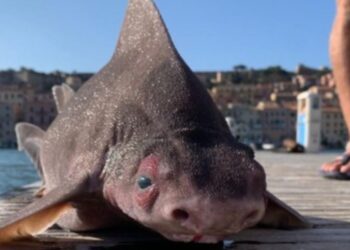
(42, 213)
(62, 94)
(143, 28)
(29, 139)
(146, 57)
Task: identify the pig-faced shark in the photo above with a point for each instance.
(143, 141)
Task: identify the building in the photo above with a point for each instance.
(327, 80)
(40, 110)
(284, 98)
(41, 82)
(20, 104)
(333, 129)
(248, 94)
(244, 122)
(334, 133)
(7, 123)
(260, 105)
(269, 122)
(277, 122)
(11, 94)
(11, 112)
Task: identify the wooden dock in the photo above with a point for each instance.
(293, 178)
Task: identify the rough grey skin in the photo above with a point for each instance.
(142, 140)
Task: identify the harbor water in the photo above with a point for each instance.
(16, 170)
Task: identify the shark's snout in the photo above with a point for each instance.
(199, 218)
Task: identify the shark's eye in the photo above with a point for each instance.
(144, 182)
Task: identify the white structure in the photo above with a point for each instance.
(309, 121)
(244, 123)
(231, 124)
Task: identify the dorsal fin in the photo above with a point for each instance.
(62, 94)
(146, 57)
(144, 28)
(29, 139)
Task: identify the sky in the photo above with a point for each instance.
(81, 35)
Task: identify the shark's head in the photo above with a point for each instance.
(192, 186)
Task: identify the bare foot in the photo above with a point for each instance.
(340, 166)
(336, 165)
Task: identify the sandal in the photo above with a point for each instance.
(344, 159)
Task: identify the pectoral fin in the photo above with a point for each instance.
(280, 215)
(34, 224)
(42, 213)
(62, 94)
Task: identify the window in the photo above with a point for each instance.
(315, 103)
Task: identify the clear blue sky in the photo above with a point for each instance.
(80, 35)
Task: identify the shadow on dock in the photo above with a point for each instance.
(162, 245)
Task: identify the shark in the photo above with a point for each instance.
(143, 142)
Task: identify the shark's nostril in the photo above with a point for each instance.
(180, 215)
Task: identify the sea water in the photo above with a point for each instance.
(16, 170)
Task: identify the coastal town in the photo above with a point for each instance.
(260, 105)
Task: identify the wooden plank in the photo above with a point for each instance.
(295, 179)
(264, 236)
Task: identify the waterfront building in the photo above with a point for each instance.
(260, 105)
(240, 93)
(333, 128)
(7, 135)
(244, 122)
(277, 122)
(40, 110)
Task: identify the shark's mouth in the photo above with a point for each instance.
(195, 238)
